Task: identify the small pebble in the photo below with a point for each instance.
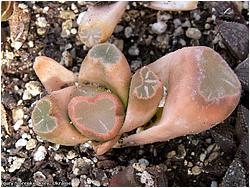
(178, 31)
(213, 156)
(246, 5)
(67, 59)
(208, 140)
(22, 6)
(65, 33)
(31, 144)
(202, 157)
(73, 7)
(10, 55)
(73, 31)
(59, 157)
(45, 9)
(159, 27)
(67, 14)
(26, 95)
(33, 87)
(196, 170)
(128, 32)
(67, 24)
(193, 33)
(141, 165)
(89, 181)
(75, 182)
(39, 177)
(41, 31)
(71, 155)
(81, 166)
(146, 179)
(17, 114)
(207, 26)
(96, 183)
(164, 17)
(18, 124)
(177, 22)
(54, 147)
(17, 163)
(31, 44)
(182, 42)
(135, 64)
(171, 154)
(41, 22)
(133, 51)
(190, 164)
(17, 45)
(210, 148)
(40, 154)
(118, 29)
(20, 143)
(181, 151)
(196, 16)
(186, 24)
(2, 169)
(26, 135)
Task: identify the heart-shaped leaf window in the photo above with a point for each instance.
(97, 117)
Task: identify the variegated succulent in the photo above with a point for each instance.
(106, 100)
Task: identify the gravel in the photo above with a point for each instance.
(193, 33)
(17, 163)
(17, 114)
(134, 51)
(75, 182)
(128, 32)
(20, 143)
(40, 154)
(196, 170)
(159, 27)
(31, 144)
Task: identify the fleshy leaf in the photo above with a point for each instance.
(106, 65)
(53, 75)
(201, 98)
(51, 122)
(98, 23)
(99, 117)
(146, 91)
(173, 5)
(42, 120)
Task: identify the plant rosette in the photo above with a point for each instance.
(106, 100)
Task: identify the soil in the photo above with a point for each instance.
(206, 159)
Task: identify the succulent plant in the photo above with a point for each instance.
(173, 5)
(202, 91)
(108, 100)
(93, 27)
(95, 112)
